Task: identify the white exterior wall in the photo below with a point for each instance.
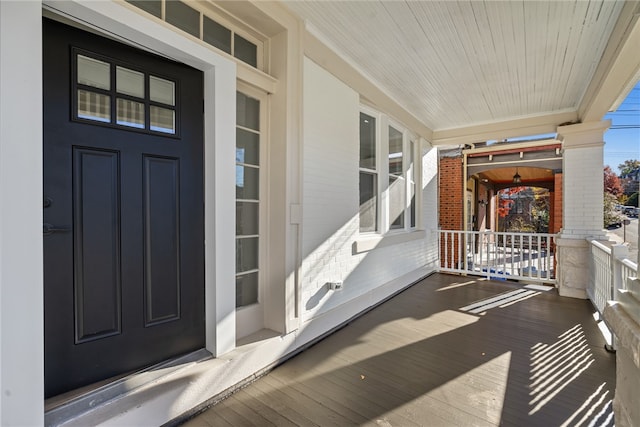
(21, 301)
(582, 192)
(331, 206)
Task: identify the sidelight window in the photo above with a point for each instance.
(248, 168)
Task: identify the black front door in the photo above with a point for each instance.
(123, 208)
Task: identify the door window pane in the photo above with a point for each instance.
(247, 218)
(367, 142)
(368, 202)
(247, 182)
(247, 111)
(130, 113)
(247, 147)
(95, 73)
(129, 82)
(245, 51)
(246, 289)
(216, 35)
(162, 119)
(182, 16)
(246, 254)
(161, 90)
(94, 106)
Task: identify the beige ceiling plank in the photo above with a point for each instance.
(619, 68)
(527, 126)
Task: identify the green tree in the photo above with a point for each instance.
(628, 166)
(633, 200)
(540, 209)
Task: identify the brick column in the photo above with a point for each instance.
(450, 200)
(582, 203)
(556, 212)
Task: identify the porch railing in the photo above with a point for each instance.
(499, 255)
(610, 270)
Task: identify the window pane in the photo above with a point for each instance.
(246, 289)
(153, 7)
(162, 119)
(247, 184)
(246, 254)
(395, 151)
(247, 147)
(412, 182)
(247, 111)
(368, 202)
(216, 35)
(367, 141)
(129, 82)
(245, 51)
(94, 106)
(161, 90)
(396, 202)
(247, 218)
(413, 206)
(92, 72)
(182, 16)
(130, 113)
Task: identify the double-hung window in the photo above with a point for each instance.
(387, 175)
(368, 174)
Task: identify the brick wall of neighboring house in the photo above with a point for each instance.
(555, 219)
(451, 204)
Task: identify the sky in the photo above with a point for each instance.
(622, 140)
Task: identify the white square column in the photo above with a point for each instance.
(582, 213)
(21, 300)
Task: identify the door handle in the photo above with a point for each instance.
(50, 229)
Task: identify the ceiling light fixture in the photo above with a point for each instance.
(517, 179)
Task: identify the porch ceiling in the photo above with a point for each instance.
(528, 175)
(489, 67)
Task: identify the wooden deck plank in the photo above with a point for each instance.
(419, 359)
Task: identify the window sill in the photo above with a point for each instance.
(368, 243)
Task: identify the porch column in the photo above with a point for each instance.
(21, 306)
(582, 193)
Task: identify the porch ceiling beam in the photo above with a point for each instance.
(525, 126)
(539, 145)
(618, 70)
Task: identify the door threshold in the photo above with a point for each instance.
(65, 407)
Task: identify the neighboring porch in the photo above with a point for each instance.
(450, 350)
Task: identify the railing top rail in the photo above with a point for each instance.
(500, 233)
(630, 264)
(600, 246)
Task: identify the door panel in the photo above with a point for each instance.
(96, 225)
(124, 255)
(162, 229)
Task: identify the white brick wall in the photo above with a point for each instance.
(330, 202)
(583, 183)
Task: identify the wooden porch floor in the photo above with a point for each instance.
(445, 352)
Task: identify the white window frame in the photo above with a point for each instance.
(376, 172)
(250, 318)
(411, 171)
